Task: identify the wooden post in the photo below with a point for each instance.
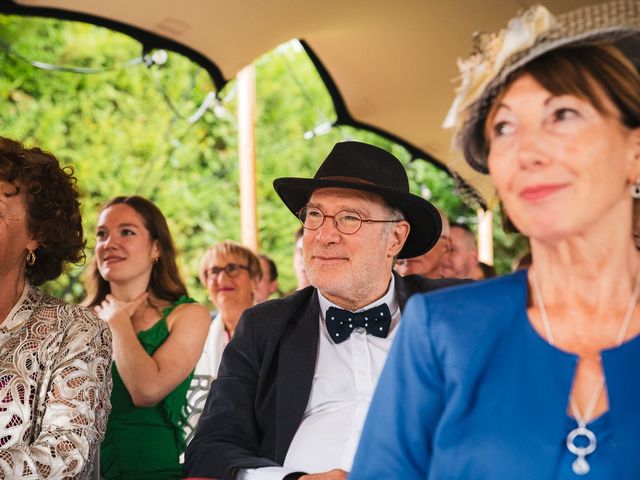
(246, 79)
(485, 236)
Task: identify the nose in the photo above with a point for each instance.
(328, 231)
(213, 281)
(107, 242)
(530, 148)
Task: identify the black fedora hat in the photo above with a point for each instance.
(361, 166)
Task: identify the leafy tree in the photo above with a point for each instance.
(125, 130)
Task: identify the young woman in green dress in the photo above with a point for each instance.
(158, 336)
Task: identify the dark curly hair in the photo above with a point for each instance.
(52, 206)
(165, 281)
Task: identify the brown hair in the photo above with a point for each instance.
(52, 207)
(165, 282)
(579, 71)
(273, 269)
(231, 248)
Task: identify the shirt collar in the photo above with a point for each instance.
(390, 298)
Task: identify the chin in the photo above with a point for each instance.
(324, 282)
(546, 228)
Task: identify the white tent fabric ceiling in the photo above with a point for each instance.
(389, 65)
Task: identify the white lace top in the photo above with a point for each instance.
(55, 385)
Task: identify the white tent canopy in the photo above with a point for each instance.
(388, 64)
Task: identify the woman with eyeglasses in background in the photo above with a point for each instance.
(231, 273)
(158, 332)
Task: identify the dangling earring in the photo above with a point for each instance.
(31, 258)
(635, 189)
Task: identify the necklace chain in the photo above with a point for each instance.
(624, 327)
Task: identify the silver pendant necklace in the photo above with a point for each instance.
(580, 465)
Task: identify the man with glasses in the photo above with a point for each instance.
(296, 380)
(429, 264)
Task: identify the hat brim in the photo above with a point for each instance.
(423, 217)
(616, 23)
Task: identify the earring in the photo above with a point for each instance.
(635, 189)
(31, 258)
(155, 260)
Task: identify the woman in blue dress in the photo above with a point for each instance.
(535, 375)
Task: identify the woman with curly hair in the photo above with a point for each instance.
(54, 357)
(158, 336)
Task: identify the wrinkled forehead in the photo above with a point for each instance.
(347, 199)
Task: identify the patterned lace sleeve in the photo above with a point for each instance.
(69, 404)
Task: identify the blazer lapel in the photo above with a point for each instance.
(296, 368)
(403, 289)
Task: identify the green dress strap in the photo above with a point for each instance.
(175, 403)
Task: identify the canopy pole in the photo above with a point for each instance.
(485, 236)
(246, 82)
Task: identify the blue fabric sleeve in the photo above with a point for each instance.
(397, 437)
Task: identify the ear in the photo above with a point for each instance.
(634, 170)
(397, 238)
(32, 245)
(155, 249)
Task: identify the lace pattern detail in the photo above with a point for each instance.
(55, 386)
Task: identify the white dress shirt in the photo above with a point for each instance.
(343, 384)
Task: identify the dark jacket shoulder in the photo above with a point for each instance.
(418, 283)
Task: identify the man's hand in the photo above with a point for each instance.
(335, 474)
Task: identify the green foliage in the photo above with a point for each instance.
(125, 131)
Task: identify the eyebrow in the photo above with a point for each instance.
(342, 208)
(121, 225)
(547, 100)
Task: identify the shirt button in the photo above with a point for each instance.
(362, 372)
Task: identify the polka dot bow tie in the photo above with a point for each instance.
(340, 323)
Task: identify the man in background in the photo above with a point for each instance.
(268, 284)
(428, 264)
(463, 258)
(298, 262)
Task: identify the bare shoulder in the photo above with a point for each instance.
(192, 314)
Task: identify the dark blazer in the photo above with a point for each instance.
(257, 402)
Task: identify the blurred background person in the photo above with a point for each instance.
(522, 262)
(428, 264)
(463, 256)
(298, 262)
(54, 357)
(482, 271)
(158, 334)
(268, 284)
(231, 272)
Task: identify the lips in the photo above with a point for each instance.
(112, 259)
(328, 259)
(537, 193)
